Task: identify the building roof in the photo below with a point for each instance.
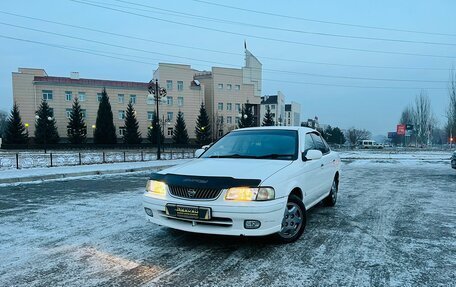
(267, 100)
(91, 82)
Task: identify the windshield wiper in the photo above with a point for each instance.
(232, 156)
(275, 155)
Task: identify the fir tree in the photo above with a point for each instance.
(76, 129)
(203, 127)
(246, 119)
(268, 119)
(132, 134)
(15, 131)
(154, 129)
(180, 135)
(46, 127)
(105, 131)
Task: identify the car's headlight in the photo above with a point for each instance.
(250, 193)
(156, 187)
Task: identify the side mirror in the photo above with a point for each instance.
(199, 152)
(312, 154)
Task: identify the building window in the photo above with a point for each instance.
(220, 106)
(169, 100)
(68, 113)
(220, 119)
(272, 107)
(229, 120)
(288, 121)
(121, 131)
(150, 116)
(169, 116)
(220, 133)
(99, 96)
(84, 113)
(133, 99)
(68, 96)
(229, 106)
(121, 115)
(81, 96)
(150, 100)
(237, 107)
(120, 98)
(170, 131)
(180, 85)
(229, 86)
(47, 95)
(237, 120)
(220, 86)
(180, 101)
(169, 85)
(237, 87)
(51, 112)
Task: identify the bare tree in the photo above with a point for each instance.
(423, 118)
(3, 121)
(407, 116)
(451, 111)
(354, 135)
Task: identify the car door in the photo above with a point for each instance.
(313, 172)
(326, 164)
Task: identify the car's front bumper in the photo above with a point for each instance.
(227, 217)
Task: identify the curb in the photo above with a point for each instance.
(78, 174)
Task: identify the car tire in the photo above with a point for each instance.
(293, 222)
(331, 199)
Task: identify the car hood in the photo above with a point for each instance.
(227, 167)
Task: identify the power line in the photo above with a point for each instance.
(226, 64)
(106, 54)
(326, 22)
(193, 16)
(262, 37)
(218, 51)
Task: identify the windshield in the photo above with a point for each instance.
(260, 144)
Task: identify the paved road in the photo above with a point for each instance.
(394, 225)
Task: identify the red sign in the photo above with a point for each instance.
(401, 129)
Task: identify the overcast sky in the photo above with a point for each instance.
(293, 59)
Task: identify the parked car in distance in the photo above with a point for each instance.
(453, 160)
(252, 182)
(369, 144)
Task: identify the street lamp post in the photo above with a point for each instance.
(156, 92)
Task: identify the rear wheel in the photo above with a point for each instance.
(331, 199)
(293, 222)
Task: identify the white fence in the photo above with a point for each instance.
(24, 160)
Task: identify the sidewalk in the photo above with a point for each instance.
(37, 174)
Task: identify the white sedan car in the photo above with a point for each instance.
(252, 182)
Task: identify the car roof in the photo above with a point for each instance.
(291, 128)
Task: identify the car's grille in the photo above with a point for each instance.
(194, 193)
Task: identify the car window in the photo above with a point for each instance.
(309, 143)
(260, 144)
(320, 145)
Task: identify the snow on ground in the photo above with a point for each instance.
(394, 225)
(82, 170)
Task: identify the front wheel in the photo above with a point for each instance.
(293, 222)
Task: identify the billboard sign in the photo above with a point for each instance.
(400, 130)
(392, 135)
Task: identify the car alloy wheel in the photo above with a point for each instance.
(293, 221)
(331, 199)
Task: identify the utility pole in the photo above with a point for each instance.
(157, 92)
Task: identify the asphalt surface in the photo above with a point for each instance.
(394, 225)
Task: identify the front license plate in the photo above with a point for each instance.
(190, 212)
